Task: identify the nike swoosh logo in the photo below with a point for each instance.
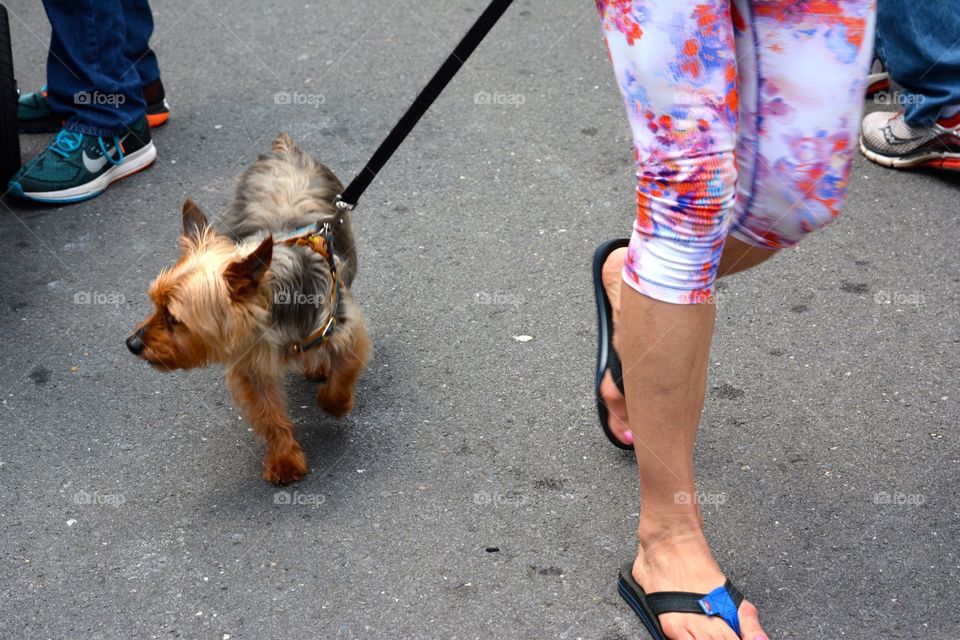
(94, 165)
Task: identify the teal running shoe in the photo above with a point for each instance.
(78, 166)
(34, 114)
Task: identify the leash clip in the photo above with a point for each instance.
(339, 203)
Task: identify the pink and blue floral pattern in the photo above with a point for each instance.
(744, 116)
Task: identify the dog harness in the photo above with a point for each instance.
(318, 238)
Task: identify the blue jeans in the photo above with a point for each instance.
(98, 62)
(918, 43)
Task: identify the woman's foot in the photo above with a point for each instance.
(609, 392)
(682, 562)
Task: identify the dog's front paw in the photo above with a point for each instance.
(285, 466)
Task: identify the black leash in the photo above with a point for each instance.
(479, 30)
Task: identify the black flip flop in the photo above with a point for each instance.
(606, 355)
(723, 601)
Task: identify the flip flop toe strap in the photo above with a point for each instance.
(723, 601)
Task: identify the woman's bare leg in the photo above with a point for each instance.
(737, 256)
(692, 190)
(668, 386)
(664, 349)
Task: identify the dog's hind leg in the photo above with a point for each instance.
(261, 399)
(338, 394)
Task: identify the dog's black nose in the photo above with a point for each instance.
(135, 344)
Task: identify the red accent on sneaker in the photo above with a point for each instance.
(157, 119)
(877, 87)
(952, 164)
(951, 122)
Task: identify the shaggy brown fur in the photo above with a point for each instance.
(237, 299)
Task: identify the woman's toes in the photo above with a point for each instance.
(725, 631)
(750, 622)
(694, 626)
(673, 627)
(719, 630)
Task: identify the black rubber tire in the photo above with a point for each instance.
(9, 135)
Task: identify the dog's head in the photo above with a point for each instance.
(210, 304)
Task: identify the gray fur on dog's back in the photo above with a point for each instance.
(282, 191)
(287, 189)
(300, 286)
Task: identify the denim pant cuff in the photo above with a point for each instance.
(916, 116)
(88, 130)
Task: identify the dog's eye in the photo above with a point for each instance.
(169, 319)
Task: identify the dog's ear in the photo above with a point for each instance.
(244, 276)
(194, 222)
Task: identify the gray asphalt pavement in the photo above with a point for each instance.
(471, 494)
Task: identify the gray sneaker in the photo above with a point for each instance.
(886, 138)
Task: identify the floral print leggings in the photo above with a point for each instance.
(744, 114)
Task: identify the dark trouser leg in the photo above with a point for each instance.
(917, 41)
(89, 78)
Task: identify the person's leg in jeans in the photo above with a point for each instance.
(89, 77)
(139, 21)
(136, 47)
(917, 42)
(35, 112)
(675, 64)
(93, 85)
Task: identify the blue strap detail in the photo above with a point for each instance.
(719, 603)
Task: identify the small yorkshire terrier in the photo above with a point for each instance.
(266, 291)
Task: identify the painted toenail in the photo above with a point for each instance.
(628, 438)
